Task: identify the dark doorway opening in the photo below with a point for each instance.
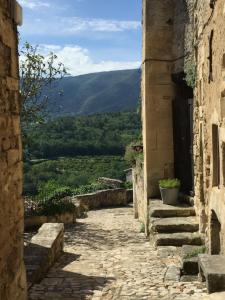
(183, 133)
(215, 229)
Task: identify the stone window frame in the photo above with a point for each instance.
(216, 166)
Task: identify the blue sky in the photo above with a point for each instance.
(87, 35)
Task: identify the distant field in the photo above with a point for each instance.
(72, 172)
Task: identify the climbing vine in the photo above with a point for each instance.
(191, 75)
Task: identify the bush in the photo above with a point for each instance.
(55, 202)
(195, 253)
(91, 188)
(128, 185)
(132, 155)
(169, 183)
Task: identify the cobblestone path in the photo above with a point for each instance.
(106, 257)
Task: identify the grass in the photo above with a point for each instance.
(169, 183)
(195, 253)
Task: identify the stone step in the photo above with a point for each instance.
(177, 239)
(189, 278)
(212, 270)
(179, 224)
(189, 259)
(160, 210)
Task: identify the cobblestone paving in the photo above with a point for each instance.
(106, 257)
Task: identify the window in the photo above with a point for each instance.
(222, 105)
(216, 156)
(223, 162)
(223, 62)
(215, 231)
(211, 56)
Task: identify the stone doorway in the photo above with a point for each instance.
(183, 133)
(215, 230)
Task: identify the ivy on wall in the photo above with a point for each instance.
(191, 75)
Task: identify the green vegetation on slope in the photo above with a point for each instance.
(71, 172)
(96, 93)
(99, 134)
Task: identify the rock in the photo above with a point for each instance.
(45, 247)
(190, 262)
(172, 274)
(212, 269)
(113, 183)
(188, 278)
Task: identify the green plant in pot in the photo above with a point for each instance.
(169, 189)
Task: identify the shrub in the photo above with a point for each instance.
(191, 75)
(46, 189)
(132, 154)
(91, 188)
(169, 183)
(127, 185)
(55, 202)
(142, 228)
(195, 253)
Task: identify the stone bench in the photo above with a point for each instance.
(43, 250)
(212, 270)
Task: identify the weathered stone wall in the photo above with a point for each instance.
(166, 26)
(106, 198)
(12, 272)
(209, 116)
(184, 36)
(138, 193)
(37, 221)
(157, 93)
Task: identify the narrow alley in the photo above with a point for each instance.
(107, 257)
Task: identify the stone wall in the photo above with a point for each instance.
(106, 198)
(209, 117)
(12, 272)
(168, 38)
(186, 36)
(138, 193)
(36, 221)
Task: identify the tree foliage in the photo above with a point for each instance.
(100, 134)
(37, 73)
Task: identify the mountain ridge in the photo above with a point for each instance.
(93, 93)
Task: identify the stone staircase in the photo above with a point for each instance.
(174, 225)
(178, 226)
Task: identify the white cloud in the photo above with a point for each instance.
(68, 26)
(33, 4)
(79, 24)
(79, 61)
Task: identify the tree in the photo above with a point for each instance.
(38, 73)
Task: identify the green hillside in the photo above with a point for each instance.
(96, 93)
(99, 134)
(76, 151)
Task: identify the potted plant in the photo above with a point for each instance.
(169, 189)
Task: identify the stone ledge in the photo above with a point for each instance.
(104, 198)
(212, 269)
(44, 249)
(36, 221)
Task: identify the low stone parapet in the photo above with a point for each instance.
(43, 250)
(35, 221)
(105, 198)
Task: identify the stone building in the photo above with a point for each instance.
(12, 271)
(183, 95)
